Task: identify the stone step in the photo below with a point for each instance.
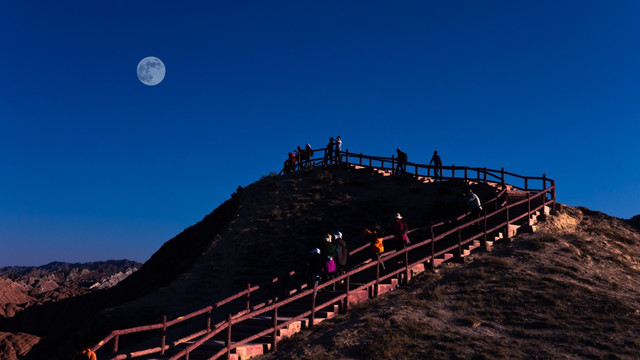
(445, 257)
(466, 251)
(512, 230)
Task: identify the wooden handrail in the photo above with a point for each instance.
(482, 176)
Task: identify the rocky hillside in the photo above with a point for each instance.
(21, 287)
(568, 291)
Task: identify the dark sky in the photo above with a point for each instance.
(96, 165)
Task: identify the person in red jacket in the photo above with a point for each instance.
(400, 228)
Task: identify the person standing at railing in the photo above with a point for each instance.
(437, 166)
(402, 161)
(300, 157)
(308, 154)
(337, 149)
(328, 152)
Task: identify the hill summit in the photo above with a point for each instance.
(263, 230)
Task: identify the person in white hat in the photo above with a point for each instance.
(400, 228)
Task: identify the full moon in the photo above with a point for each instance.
(151, 70)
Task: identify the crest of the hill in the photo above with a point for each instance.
(278, 220)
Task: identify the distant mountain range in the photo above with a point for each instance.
(24, 286)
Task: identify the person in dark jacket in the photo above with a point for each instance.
(437, 166)
(329, 254)
(343, 253)
(314, 268)
(402, 161)
(328, 153)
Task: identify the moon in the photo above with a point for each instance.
(151, 71)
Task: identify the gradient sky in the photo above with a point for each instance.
(94, 165)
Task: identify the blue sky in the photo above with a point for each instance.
(95, 165)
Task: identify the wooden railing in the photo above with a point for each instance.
(539, 192)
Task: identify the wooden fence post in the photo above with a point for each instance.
(406, 265)
(116, 340)
(376, 285)
(459, 243)
(553, 195)
(274, 341)
(484, 237)
(504, 184)
(313, 303)
(433, 249)
(360, 158)
(209, 313)
(248, 297)
(346, 156)
(163, 335)
(346, 299)
(228, 339)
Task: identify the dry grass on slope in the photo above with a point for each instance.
(568, 291)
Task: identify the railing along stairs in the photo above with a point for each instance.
(254, 320)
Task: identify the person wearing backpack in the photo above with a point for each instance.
(374, 238)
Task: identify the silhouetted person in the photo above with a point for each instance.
(337, 149)
(437, 166)
(300, 157)
(402, 161)
(308, 154)
(328, 154)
